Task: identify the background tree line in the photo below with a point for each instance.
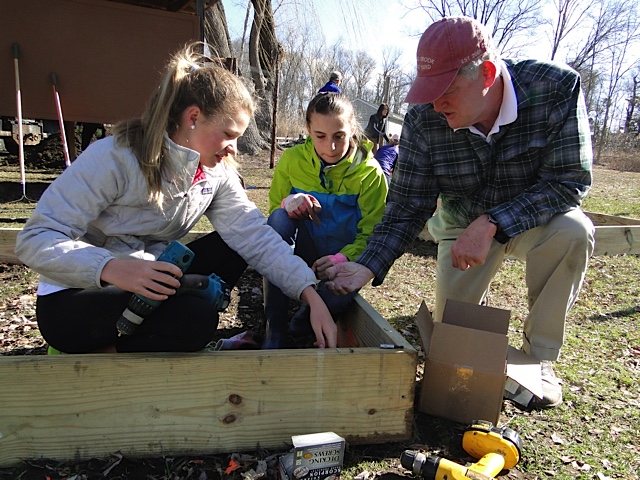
(283, 55)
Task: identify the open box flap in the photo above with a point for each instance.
(524, 370)
(476, 317)
(425, 327)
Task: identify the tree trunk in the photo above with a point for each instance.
(263, 55)
(216, 34)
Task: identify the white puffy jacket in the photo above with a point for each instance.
(99, 209)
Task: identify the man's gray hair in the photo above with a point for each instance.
(472, 70)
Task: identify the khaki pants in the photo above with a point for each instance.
(556, 257)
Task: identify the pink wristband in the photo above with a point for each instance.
(338, 258)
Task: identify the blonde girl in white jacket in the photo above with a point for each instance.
(97, 230)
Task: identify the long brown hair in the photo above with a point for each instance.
(331, 103)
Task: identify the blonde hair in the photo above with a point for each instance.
(331, 103)
(190, 78)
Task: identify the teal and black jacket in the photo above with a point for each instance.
(352, 194)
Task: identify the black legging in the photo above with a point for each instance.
(83, 320)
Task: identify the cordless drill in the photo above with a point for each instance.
(210, 287)
(495, 448)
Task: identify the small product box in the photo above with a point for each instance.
(469, 363)
(316, 456)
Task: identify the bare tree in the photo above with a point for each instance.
(216, 35)
(363, 67)
(264, 54)
(606, 29)
(390, 71)
(619, 66)
(633, 101)
(570, 14)
(508, 20)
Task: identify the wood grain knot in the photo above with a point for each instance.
(229, 419)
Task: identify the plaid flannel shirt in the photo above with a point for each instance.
(532, 169)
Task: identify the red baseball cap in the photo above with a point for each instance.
(445, 47)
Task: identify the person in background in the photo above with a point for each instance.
(333, 85)
(325, 198)
(387, 155)
(97, 231)
(506, 146)
(377, 127)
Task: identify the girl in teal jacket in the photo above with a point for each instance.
(325, 198)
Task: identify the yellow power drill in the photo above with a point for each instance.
(495, 448)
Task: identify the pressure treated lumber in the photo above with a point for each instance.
(614, 235)
(82, 406)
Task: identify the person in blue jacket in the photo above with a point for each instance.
(387, 156)
(333, 85)
(325, 198)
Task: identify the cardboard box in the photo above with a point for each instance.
(467, 362)
(316, 456)
(152, 404)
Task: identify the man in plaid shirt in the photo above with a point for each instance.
(506, 147)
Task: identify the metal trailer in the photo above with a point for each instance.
(106, 54)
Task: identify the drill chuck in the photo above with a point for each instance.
(420, 464)
(140, 307)
(134, 315)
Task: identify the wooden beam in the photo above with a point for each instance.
(604, 220)
(614, 236)
(84, 406)
(615, 240)
(7, 242)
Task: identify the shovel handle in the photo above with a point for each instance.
(16, 51)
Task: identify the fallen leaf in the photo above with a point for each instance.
(233, 465)
(584, 467)
(113, 465)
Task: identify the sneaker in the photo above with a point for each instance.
(551, 391)
(551, 388)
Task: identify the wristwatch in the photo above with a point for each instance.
(500, 236)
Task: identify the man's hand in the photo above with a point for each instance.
(321, 265)
(302, 206)
(473, 245)
(152, 279)
(347, 277)
(322, 323)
